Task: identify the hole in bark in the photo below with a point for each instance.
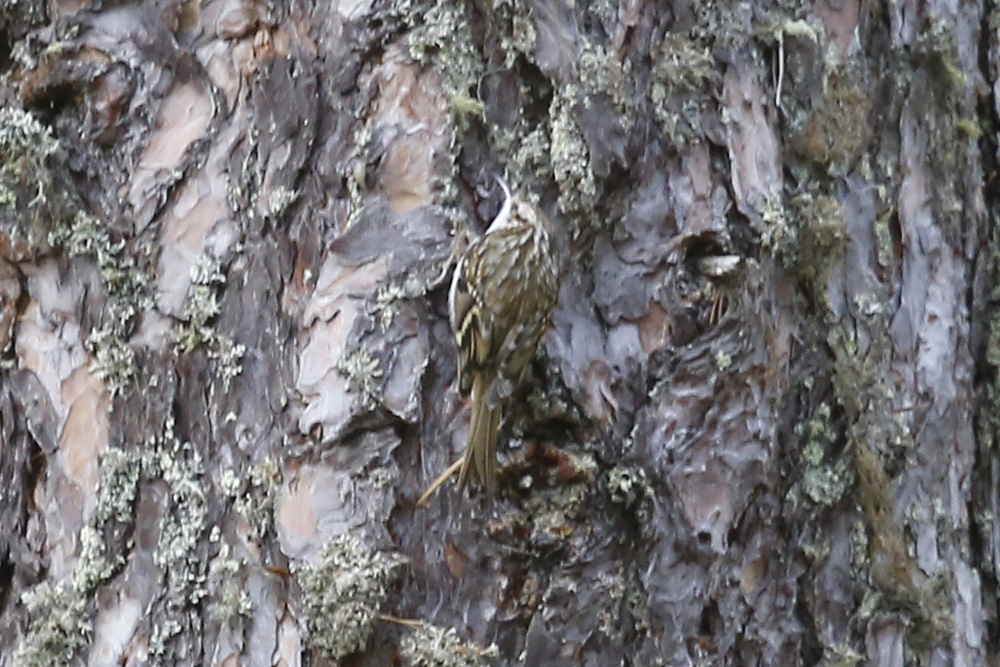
(701, 246)
(6, 580)
(49, 100)
(709, 626)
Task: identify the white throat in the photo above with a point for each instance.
(503, 217)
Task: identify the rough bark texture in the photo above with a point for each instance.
(761, 431)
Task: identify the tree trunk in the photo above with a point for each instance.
(760, 431)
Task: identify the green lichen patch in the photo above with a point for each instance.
(197, 321)
(385, 306)
(532, 155)
(943, 102)
(229, 598)
(202, 305)
(832, 130)
(96, 565)
(560, 147)
(59, 629)
(628, 486)
(364, 374)
(841, 655)
(26, 145)
(279, 200)
(513, 21)
(937, 50)
(443, 39)
(127, 294)
(357, 178)
(29, 200)
(823, 482)
(61, 614)
(883, 557)
(724, 26)
(600, 72)
(439, 38)
(683, 64)
(253, 495)
(827, 484)
(723, 361)
(342, 594)
(432, 646)
(810, 240)
(118, 487)
(684, 78)
(181, 528)
(570, 159)
(895, 567)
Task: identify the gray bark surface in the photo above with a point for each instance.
(760, 431)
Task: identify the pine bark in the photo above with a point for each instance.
(760, 431)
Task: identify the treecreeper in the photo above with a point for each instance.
(503, 291)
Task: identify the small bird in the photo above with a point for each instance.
(502, 295)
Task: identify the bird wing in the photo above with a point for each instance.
(472, 339)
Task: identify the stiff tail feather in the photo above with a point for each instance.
(480, 454)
